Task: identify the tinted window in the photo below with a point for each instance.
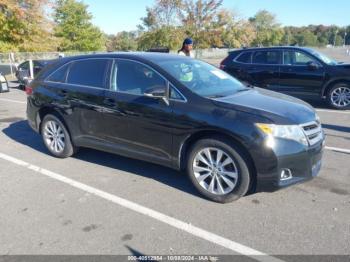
(296, 58)
(245, 57)
(175, 95)
(90, 72)
(24, 66)
(60, 75)
(266, 57)
(135, 78)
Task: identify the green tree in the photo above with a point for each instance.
(162, 13)
(24, 26)
(123, 41)
(161, 26)
(170, 37)
(237, 33)
(306, 38)
(200, 17)
(268, 31)
(74, 27)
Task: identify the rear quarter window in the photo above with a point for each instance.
(229, 59)
(245, 57)
(89, 72)
(59, 76)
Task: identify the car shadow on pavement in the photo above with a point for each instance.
(167, 176)
(318, 104)
(344, 129)
(22, 133)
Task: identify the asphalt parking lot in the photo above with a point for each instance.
(102, 204)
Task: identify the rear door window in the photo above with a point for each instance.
(245, 57)
(89, 72)
(267, 57)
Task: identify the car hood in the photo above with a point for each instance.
(279, 108)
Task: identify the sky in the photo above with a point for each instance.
(113, 16)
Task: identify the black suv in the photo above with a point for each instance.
(301, 72)
(178, 112)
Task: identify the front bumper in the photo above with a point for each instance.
(304, 163)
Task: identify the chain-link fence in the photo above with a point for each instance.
(213, 56)
(338, 53)
(24, 56)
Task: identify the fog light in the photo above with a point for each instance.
(286, 174)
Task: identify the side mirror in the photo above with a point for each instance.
(158, 92)
(155, 92)
(312, 65)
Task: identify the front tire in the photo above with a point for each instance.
(219, 170)
(56, 137)
(338, 96)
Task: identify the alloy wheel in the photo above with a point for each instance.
(54, 136)
(215, 171)
(340, 96)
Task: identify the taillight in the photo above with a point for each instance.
(29, 90)
(223, 63)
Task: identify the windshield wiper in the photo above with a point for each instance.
(243, 90)
(216, 96)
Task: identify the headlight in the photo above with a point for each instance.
(291, 132)
(318, 119)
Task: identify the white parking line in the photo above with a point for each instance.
(13, 101)
(186, 227)
(333, 111)
(337, 149)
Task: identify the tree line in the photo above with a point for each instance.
(66, 25)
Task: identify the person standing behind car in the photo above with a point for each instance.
(187, 47)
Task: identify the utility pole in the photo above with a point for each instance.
(335, 37)
(345, 38)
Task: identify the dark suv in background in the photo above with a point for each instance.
(301, 72)
(177, 112)
(23, 71)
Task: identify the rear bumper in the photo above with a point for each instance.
(303, 164)
(32, 115)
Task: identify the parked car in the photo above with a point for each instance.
(23, 71)
(4, 86)
(177, 112)
(296, 71)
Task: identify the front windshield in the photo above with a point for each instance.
(202, 78)
(324, 58)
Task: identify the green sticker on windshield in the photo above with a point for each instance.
(186, 73)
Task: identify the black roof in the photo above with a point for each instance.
(150, 56)
(274, 47)
(145, 57)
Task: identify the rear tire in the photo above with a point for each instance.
(219, 169)
(338, 96)
(56, 137)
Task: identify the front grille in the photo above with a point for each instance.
(313, 132)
